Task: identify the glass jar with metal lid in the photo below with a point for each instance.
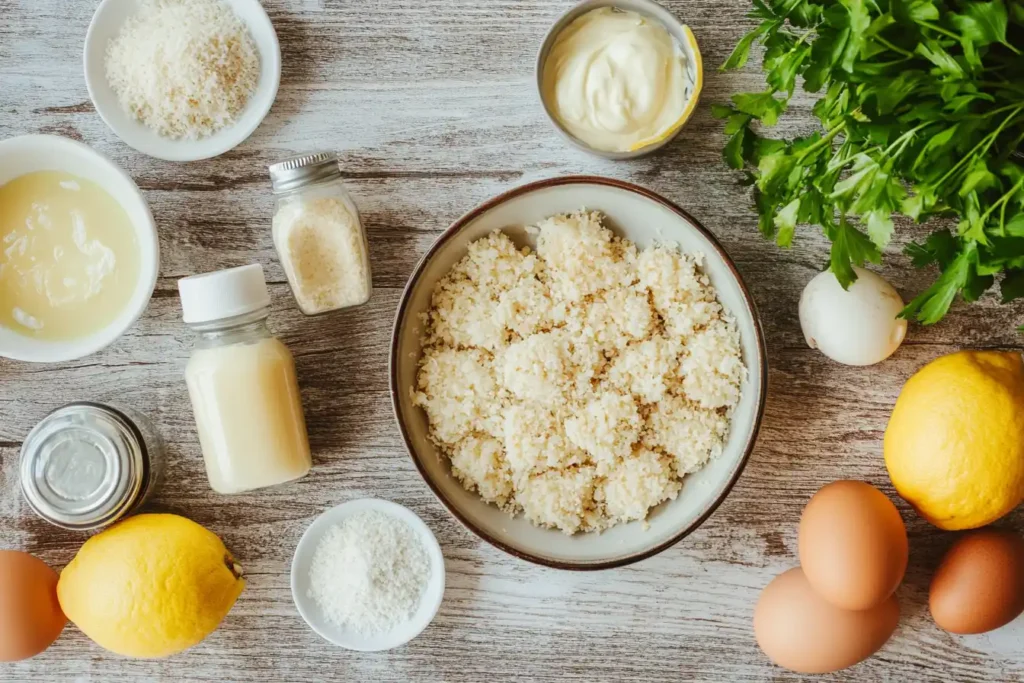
(86, 465)
(318, 234)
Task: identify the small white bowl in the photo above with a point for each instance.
(29, 153)
(313, 615)
(106, 24)
(679, 31)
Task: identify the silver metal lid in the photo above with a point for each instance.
(82, 466)
(304, 169)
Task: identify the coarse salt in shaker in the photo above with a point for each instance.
(87, 465)
(318, 235)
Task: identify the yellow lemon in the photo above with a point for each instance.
(150, 586)
(954, 446)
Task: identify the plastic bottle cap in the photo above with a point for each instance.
(223, 294)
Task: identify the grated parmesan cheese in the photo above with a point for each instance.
(579, 384)
(323, 252)
(185, 68)
(369, 573)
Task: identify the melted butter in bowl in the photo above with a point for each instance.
(79, 254)
(69, 257)
(619, 80)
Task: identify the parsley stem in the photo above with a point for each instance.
(939, 29)
(822, 142)
(1003, 200)
(1006, 85)
(985, 141)
(894, 47)
(905, 139)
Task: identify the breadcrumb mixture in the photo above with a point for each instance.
(579, 383)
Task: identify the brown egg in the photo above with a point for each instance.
(30, 617)
(800, 631)
(853, 545)
(979, 585)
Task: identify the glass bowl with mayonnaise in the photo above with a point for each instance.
(619, 78)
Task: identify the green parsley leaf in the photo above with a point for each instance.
(912, 11)
(850, 247)
(733, 151)
(1015, 226)
(760, 105)
(982, 23)
(921, 106)
(934, 302)
(880, 227)
(721, 111)
(741, 52)
(785, 222)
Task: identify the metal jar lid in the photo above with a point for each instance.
(83, 466)
(302, 170)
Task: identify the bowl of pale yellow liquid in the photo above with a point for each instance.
(78, 250)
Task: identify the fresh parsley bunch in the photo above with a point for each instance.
(923, 114)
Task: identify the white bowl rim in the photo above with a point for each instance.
(74, 349)
(748, 299)
(307, 545)
(170, 150)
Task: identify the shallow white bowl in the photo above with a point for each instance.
(106, 24)
(29, 153)
(313, 615)
(645, 218)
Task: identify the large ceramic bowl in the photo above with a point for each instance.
(29, 153)
(645, 218)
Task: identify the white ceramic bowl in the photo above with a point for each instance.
(29, 153)
(649, 8)
(313, 615)
(645, 218)
(106, 24)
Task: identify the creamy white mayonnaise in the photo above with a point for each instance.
(616, 80)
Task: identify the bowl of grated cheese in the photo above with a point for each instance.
(368, 575)
(182, 80)
(578, 372)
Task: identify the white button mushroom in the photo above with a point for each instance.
(857, 326)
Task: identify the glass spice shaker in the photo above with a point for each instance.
(318, 234)
(87, 465)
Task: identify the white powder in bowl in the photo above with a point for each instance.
(185, 68)
(369, 573)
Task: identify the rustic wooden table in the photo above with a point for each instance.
(431, 104)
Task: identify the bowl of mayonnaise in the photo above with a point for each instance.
(619, 78)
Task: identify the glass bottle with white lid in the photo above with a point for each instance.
(87, 465)
(318, 234)
(242, 384)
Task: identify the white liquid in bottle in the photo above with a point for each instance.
(241, 380)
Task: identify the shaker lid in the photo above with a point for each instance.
(304, 169)
(223, 294)
(82, 466)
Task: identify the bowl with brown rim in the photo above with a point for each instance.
(645, 218)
